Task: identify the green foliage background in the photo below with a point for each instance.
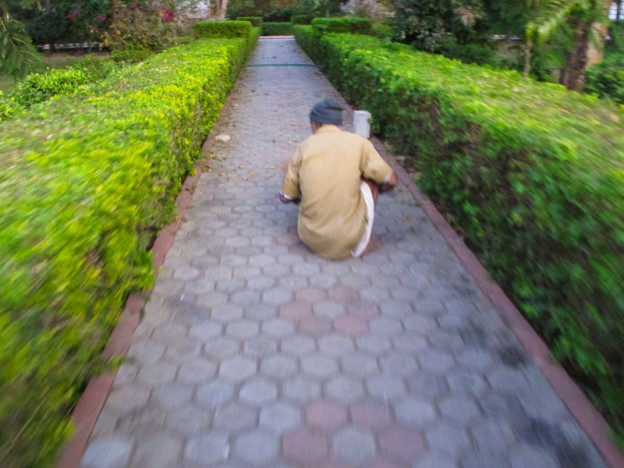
(86, 181)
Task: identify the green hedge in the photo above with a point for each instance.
(277, 29)
(347, 24)
(218, 29)
(254, 20)
(301, 19)
(87, 180)
(530, 173)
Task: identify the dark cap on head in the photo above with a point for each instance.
(328, 111)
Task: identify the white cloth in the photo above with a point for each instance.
(367, 195)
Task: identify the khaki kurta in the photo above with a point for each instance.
(325, 172)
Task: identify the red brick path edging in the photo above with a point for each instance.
(587, 416)
(85, 413)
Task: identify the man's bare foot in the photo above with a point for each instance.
(375, 243)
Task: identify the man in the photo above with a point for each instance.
(337, 176)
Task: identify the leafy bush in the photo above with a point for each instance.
(142, 25)
(38, 87)
(208, 29)
(347, 24)
(277, 29)
(531, 174)
(130, 55)
(481, 54)
(86, 181)
(254, 20)
(281, 15)
(606, 79)
(8, 107)
(301, 19)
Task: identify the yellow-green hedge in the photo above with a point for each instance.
(85, 183)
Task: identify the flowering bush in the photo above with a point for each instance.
(142, 25)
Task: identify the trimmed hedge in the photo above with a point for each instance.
(530, 173)
(346, 24)
(220, 29)
(255, 21)
(277, 29)
(87, 180)
(301, 19)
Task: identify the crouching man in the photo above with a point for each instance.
(336, 176)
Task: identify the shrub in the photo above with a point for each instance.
(254, 20)
(348, 24)
(86, 181)
(281, 15)
(301, 19)
(212, 29)
(531, 174)
(130, 55)
(606, 80)
(38, 87)
(481, 54)
(277, 29)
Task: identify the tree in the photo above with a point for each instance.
(587, 20)
(18, 56)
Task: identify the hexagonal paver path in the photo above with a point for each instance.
(255, 352)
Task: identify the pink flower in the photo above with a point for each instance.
(100, 18)
(167, 15)
(72, 15)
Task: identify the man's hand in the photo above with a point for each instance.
(389, 185)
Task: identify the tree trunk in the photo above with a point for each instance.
(576, 60)
(527, 49)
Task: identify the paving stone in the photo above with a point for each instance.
(371, 414)
(461, 380)
(214, 393)
(128, 398)
(295, 311)
(311, 295)
(278, 327)
(246, 297)
(344, 389)
(172, 396)
(414, 412)
(256, 447)
(409, 343)
(363, 309)
(500, 405)
(260, 311)
(385, 326)
(207, 449)
(205, 331)
(277, 296)
(305, 447)
(401, 444)
(385, 387)
(237, 368)
(158, 451)
(335, 345)
(221, 347)
(450, 439)
(258, 392)
(280, 417)
(189, 420)
(260, 346)
(325, 416)
(373, 344)
(146, 352)
(328, 309)
(435, 361)
(481, 460)
(233, 417)
(353, 446)
(242, 328)
(461, 409)
(181, 352)
(108, 452)
(301, 389)
(396, 364)
(359, 364)
(435, 461)
(528, 457)
(492, 435)
(315, 326)
(278, 366)
(298, 345)
(350, 325)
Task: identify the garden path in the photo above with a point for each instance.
(255, 352)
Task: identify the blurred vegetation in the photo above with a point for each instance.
(88, 179)
(529, 173)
